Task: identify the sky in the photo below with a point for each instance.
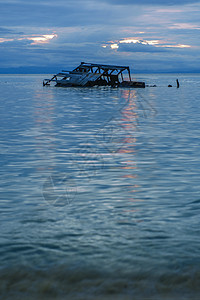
(46, 36)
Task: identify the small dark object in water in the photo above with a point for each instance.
(135, 84)
(169, 85)
(154, 85)
(177, 83)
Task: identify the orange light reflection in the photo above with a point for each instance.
(129, 120)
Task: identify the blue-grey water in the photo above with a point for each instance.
(100, 190)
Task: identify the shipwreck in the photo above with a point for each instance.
(89, 75)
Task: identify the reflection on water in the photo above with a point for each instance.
(99, 191)
(116, 137)
(45, 135)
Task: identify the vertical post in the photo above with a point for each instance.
(129, 74)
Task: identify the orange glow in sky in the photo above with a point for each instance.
(43, 39)
(156, 43)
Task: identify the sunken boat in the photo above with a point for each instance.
(89, 75)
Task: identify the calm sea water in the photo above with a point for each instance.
(100, 190)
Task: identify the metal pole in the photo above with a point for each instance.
(129, 73)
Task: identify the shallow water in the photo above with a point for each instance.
(99, 190)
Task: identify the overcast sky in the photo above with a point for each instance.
(49, 35)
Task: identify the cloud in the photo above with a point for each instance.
(95, 2)
(152, 2)
(5, 31)
(58, 13)
(35, 39)
(59, 34)
(43, 39)
(145, 46)
(139, 47)
(185, 26)
(4, 40)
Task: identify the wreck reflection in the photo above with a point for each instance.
(130, 121)
(44, 131)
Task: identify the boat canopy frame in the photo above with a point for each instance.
(104, 70)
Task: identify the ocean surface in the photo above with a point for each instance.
(100, 190)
